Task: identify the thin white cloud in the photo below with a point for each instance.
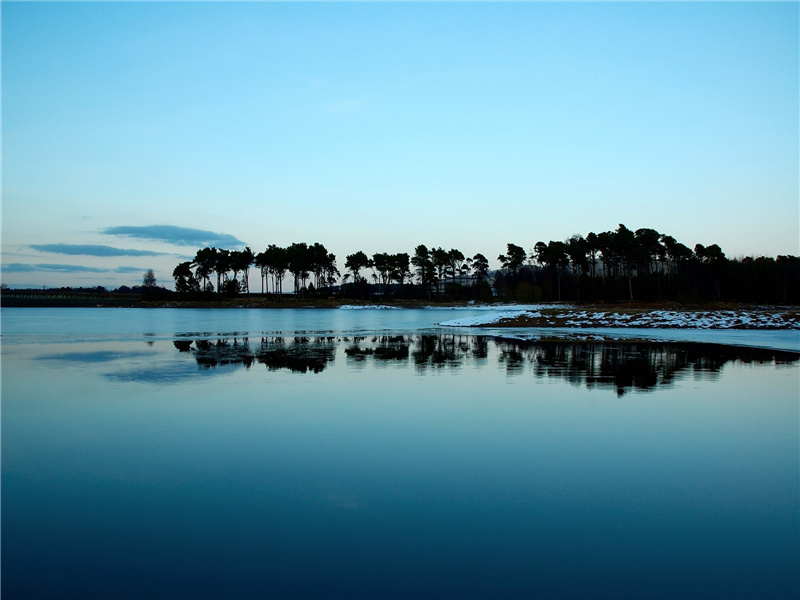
(50, 268)
(91, 250)
(181, 236)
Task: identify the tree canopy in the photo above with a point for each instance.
(621, 264)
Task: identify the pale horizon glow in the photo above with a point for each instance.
(133, 131)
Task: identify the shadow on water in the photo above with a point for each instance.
(619, 365)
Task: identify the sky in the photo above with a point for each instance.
(135, 133)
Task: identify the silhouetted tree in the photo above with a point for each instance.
(299, 261)
(424, 266)
(628, 250)
(321, 262)
(575, 249)
(277, 261)
(401, 270)
(455, 262)
(149, 280)
(185, 280)
(204, 261)
(714, 259)
(513, 258)
(646, 261)
(382, 263)
(241, 261)
(440, 260)
(480, 267)
(354, 263)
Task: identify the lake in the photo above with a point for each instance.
(177, 453)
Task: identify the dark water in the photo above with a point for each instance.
(397, 466)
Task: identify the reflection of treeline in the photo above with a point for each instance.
(299, 354)
(612, 265)
(618, 365)
(623, 366)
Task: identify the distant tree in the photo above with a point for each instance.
(330, 272)
(240, 262)
(277, 262)
(440, 259)
(149, 279)
(149, 282)
(480, 267)
(455, 262)
(382, 263)
(320, 264)
(651, 254)
(513, 259)
(299, 261)
(558, 260)
(262, 265)
(401, 269)
(424, 267)
(592, 246)
(790, 276)
(185, 280)
(608, 252)
(676, 253)
(539, 253)
(714, 259)
(204, 261)
(355, 263)
(221, 261)
(629, 252)
(576, 248)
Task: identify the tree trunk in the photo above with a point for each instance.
(630, 284)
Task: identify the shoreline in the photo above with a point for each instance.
(627, 315)
(13, 300)
(578, 318)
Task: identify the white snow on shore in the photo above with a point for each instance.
(661, 319)
(515, 309)
(368, 307)
(510, 308)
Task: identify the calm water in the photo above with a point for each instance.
(371, 454)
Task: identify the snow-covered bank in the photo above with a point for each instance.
(504, 308)
(368, 307)
(656, 319)
(507, 308)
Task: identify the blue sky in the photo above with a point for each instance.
(135, 133)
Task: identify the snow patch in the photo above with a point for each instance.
(368, 307)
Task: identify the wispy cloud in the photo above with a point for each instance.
(129, 270)
(50, 268)
(180, 236)
(348, 106)
(92, 250)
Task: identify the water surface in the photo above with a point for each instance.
(238, 454)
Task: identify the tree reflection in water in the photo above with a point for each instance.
(618, 365)
(299, 354)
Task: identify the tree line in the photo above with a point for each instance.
(621, 264)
